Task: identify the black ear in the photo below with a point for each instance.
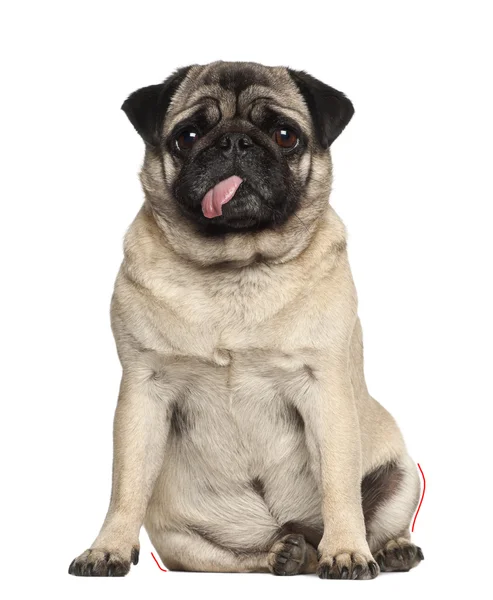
(331, 111)
(147, 107)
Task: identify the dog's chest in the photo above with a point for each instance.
(241, 416)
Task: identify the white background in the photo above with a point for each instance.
(412, 183)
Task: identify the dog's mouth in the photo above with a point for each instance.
(230, 201)
(219, 195)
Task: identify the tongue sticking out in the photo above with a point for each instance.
(221, 193)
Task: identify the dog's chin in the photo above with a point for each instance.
(246, 211)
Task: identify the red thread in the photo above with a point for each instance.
(165, 570)
(422, 495)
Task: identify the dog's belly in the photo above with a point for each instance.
(238, 464)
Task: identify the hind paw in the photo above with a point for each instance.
(287, 556)
(399, 555)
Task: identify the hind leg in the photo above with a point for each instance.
(390, 496)
(289, 555)
(193, 552)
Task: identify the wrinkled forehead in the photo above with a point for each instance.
(237, 90)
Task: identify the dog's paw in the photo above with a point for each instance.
(286, 557)
(347, 565)
(399, 555)
(98, 562)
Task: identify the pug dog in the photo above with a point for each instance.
(245, 439)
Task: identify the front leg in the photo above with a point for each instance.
(140, 431)
(343, 551)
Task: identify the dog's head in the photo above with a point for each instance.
(237, 147)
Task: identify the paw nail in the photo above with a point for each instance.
(357, 570)
(323, 572)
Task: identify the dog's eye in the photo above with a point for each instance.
(286, 138)
(187, 139)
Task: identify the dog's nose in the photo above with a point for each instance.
(230, 143)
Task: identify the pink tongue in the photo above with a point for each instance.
(221, 193)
